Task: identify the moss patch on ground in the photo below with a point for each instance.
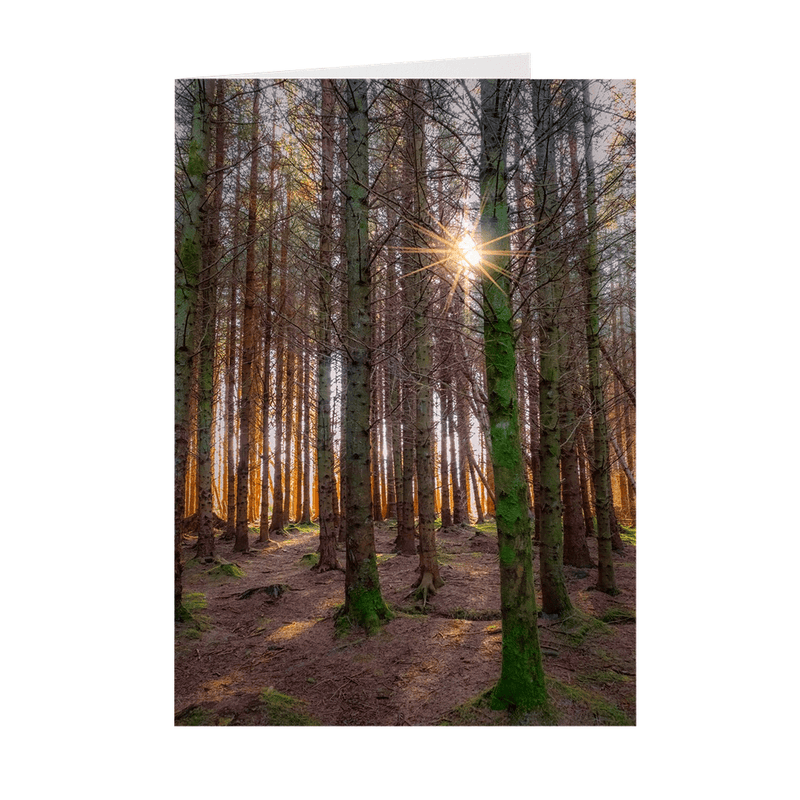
(579, 626)
(193, 622)
(603, 711)
(489, 528)
(267, 708)
(310, 560)
(281, 709)
(225, 569)
(614, 616)
(628, 535)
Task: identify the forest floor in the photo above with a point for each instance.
(274, 657)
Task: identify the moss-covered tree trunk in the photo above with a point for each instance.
(555, 599)
(325, 477)
(606, 579)
(521, 683)
(364, 605)
(246, 406)
(187, 276)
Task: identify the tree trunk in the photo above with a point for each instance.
(324, 448)
(187, 276)
(405, 543)
(428, 580)
(364, 605)
(206, 326)
(586, 491)
(305, 512)
(555, 599)
(277, 522)
(242, 543)
(606, 580)
(576, 550)
(263, 526)
(444, 473)
(288, 430)
(521, 683)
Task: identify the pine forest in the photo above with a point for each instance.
(405, 402)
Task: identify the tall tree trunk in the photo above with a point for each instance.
(364, 605)
(391, 414)
(457, 494)
(555, 599)
(305, 512)
(187, 276)
(288, 430)
(586, 490)
(530, 356)
(606, 579)
(405, 543)
(242, 543)
(324, 448)
(263, 527)
(462, 518)
(428, 580)
(206, 326)
(230, 372)
(374, 431)
(444, 471)
(277, 522)
(576, 550)
(521, 683)
(474, 472)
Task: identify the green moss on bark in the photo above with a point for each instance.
(364, 605)
(521, 685)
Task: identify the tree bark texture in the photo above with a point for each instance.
(324, 449)
(428, 579)
(242, 542)
(521, 683)
(364, 605)
(555, 599)
(205, 345)
(606, 580)
(187, 277)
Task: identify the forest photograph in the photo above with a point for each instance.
(405, 402)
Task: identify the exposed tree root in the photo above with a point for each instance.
(274, 591)
(424, 588)
(327, 567)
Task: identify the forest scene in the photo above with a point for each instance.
(405, 402)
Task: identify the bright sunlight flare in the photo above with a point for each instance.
(469, 252)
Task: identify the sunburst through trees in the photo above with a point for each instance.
(409, 300)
